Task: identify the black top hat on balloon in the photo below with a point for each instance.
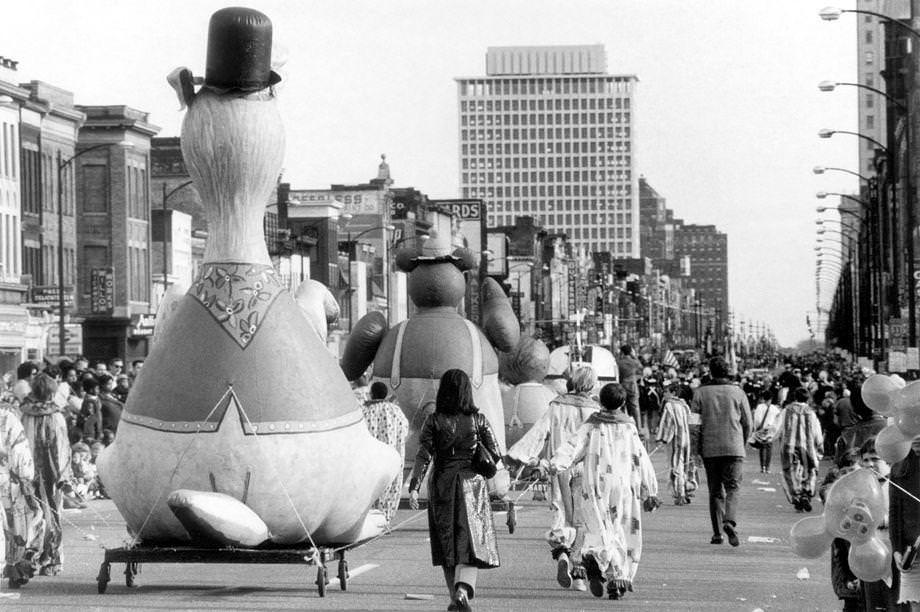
(239, 56)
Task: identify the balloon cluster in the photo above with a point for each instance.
(855, 507)
(892, 397)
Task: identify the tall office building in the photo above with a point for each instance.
(870, 66)
(547, 133)
(707, 249)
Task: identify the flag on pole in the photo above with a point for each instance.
(670, 359)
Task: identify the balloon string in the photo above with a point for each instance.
(136, 537)
(388, 531)
(903, 490)
(280, 479)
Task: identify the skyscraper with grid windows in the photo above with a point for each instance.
(548, 133)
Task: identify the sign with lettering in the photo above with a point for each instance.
(49, 295)
(897, 334)
(73, 339)
(142, 325)
(468, 222)
(102, 290)
(356, 202)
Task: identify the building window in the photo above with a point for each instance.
(870, 58)
(868, 37)
(870, 123)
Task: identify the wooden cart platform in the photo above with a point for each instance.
(132, 557)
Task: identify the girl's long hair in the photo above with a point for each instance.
(455, 394)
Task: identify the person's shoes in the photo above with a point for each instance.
(595, 577)
(716, 539)
(806, 504)
(729, 530)
(578, 584)
(615, 591)
(564, 571)
(73, 502)
(687, 499)
(50, 570)
(452, 607)
(463, 599)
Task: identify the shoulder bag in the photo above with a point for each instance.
(481, 462)
(758, 437)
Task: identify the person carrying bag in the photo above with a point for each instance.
(761, 438)
(460, 442)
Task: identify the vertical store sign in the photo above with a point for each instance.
(572, 288)
(102, 290)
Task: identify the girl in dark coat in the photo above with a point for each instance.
(459, 514)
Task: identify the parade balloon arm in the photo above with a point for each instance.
(363, 343)
(499, 323)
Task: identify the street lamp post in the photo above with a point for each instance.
(909, 247)
(421, 237)
(61, 165)
(352, 245)
(166, 196)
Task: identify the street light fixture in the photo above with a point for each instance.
(352, 245)
(841, 211)
(823, 169)
(826, 133)
(61, 165)
(831, 85)
(422, 237)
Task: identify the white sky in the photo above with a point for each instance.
(727, 110)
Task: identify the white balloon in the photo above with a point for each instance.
(891, 444)
(878, 391)
(907, 397)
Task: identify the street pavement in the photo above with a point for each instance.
(680, 570)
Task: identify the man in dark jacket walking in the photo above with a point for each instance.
(630, 369)
(725, 417)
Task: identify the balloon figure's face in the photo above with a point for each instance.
(436, 284)
(857, 524)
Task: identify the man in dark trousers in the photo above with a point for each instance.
(725, 417)
(630, 370)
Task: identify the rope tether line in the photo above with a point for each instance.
(280, 480)
(136, 537)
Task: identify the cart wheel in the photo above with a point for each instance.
(512, 517)
(343, 573)
(102, 580)
(130, 573)
(321, 581)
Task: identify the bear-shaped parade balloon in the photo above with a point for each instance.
(524, 396)
(856, 506)
(892, 397)
(241, 425)
(412, 356)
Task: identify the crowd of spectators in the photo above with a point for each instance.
(55, 419)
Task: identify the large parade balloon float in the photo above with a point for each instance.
(411, 356)
(524, 396)
(242, 427)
